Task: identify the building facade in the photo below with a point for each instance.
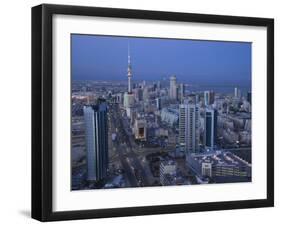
(173, 88)
(221, 166)
(96, 141)
(206, 169)
(140, 129)
(206, 98)
(181, 92)
(210, 131)
(167, 171)
(189, 127)
(169, 116)
(158, 103)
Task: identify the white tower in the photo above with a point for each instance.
(129, 98)
(129, 72)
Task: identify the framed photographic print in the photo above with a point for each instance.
(146, 112)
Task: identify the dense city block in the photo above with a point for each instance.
(130, 133)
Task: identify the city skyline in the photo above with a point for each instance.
(138, 133)
(151, 61)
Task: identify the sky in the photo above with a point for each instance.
(192, 61)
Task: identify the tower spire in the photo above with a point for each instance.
(129, 57)
(129, 71)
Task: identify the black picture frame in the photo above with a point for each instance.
(42, 111)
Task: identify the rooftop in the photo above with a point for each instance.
(221, 158)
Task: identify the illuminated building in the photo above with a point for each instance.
(140, 129)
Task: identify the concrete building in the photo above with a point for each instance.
(210, 128)
(248, 125)
(159, 86)
(206, 169)
(158, 103)
(170, 116)
(95, 117)
(119, 98)
(209, 98)
(249, 97)
(129, 100)
(173, 88)
(221, 166)
(237, 93)
(181, 92)
(146, 94)
(160, 132)
(212, 97)
(139, 94)
(189, 127)
(182, 125)
(206, 98)
(167, 170)
(140, 129)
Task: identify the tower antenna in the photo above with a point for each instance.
(129, 70)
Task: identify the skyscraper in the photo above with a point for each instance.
(139, 94)
(146, 93)
(249, 97)
(173, 87)
(158, 103)
(96, 141)
(181, 92)
(159, 85)
(188, 127)
(237, 92)
(209, 97)
(210, 133)
(206, 98)
(212, 97)
(182, 125)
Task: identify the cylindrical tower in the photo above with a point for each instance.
(129, 72)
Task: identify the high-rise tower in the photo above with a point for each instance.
(173, 87)
(96, 141)
(181, 92)
(189, 127)
(210, 134)
(206, 98)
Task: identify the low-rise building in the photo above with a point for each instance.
(167, 170)
(140, 129)
(221, 166)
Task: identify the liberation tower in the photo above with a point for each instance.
(129, 97)
(129, 72)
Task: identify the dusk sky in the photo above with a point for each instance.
(199, 62)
